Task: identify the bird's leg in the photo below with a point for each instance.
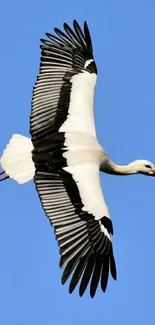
(3, 178)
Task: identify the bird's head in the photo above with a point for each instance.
(144, 167)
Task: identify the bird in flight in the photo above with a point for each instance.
(64, 158)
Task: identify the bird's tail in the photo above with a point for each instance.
(17, 159)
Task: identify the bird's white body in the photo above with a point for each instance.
(84, 157)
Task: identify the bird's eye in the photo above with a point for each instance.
(148, 166)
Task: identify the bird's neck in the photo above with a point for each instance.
(110, 167)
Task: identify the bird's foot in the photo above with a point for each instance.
(3, 178)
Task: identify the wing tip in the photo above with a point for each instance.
(83, 37)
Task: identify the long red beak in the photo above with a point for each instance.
(153, 171)
(3, 178)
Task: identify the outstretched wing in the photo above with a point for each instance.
(63, 96)
(85, 243)
(72, 198)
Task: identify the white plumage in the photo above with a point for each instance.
(17, 159)
(64, 158)
(88, 174)
(81, 108)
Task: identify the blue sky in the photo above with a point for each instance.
(124, 48)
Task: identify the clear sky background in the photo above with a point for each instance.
(123, 34)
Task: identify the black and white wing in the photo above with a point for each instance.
(73, 201)
(63, 96)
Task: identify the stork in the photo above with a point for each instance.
(64, 158)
